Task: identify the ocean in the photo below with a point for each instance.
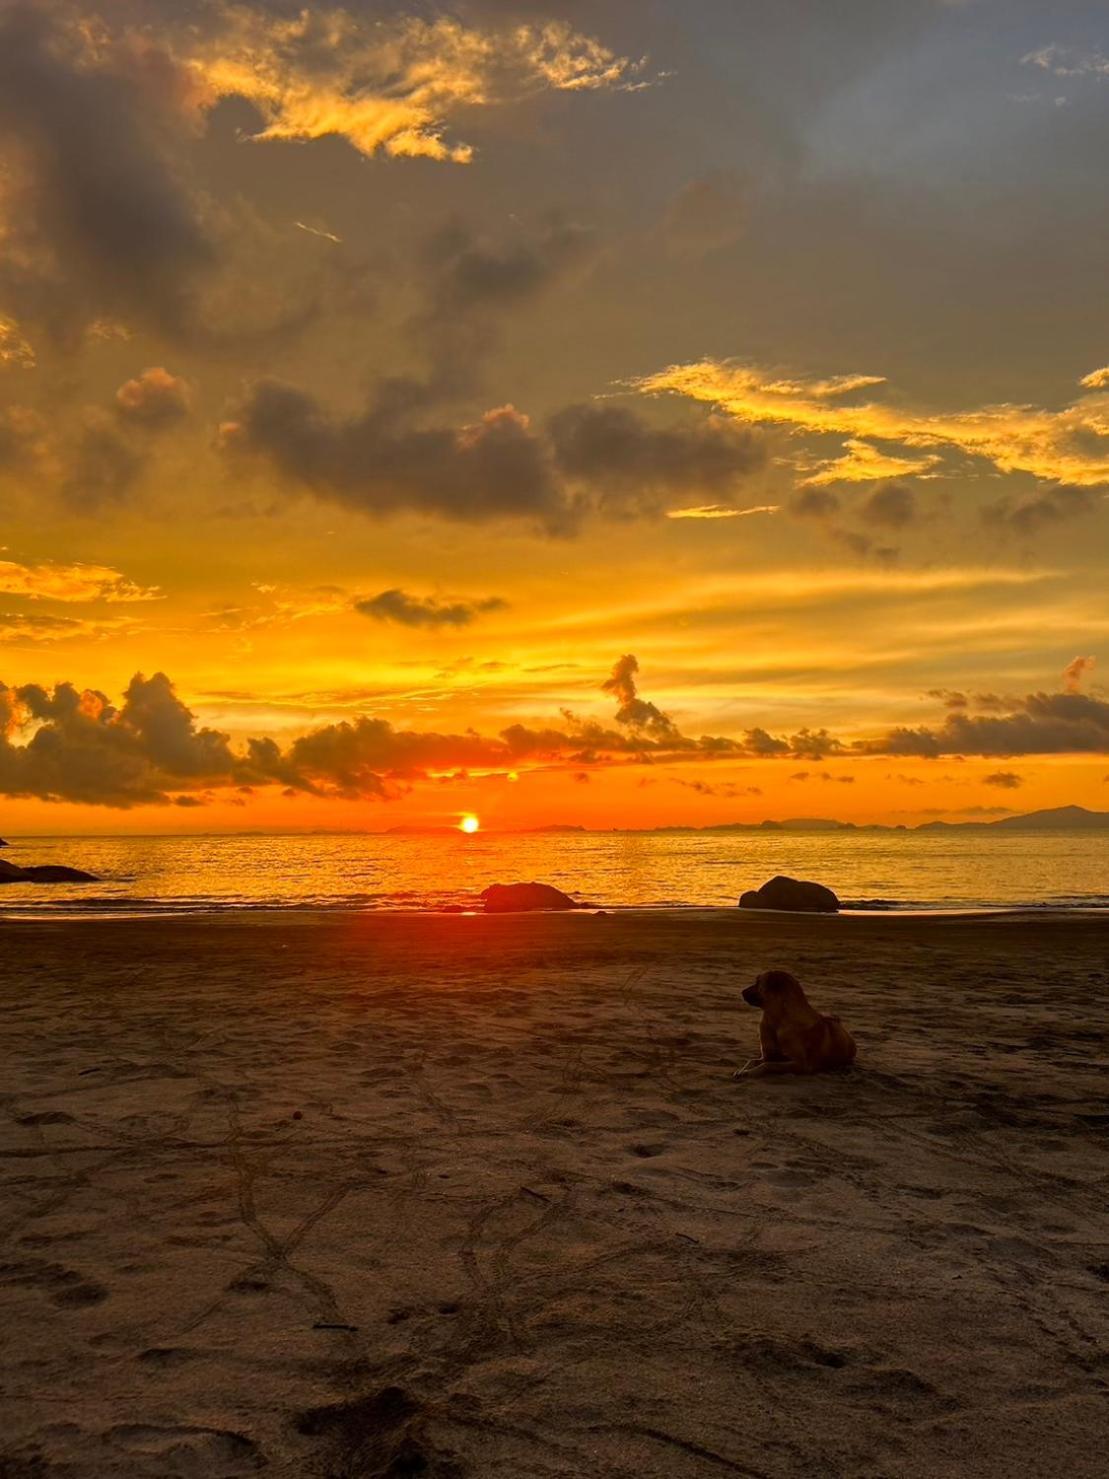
(923, 871)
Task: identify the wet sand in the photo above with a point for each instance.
(369, 1195)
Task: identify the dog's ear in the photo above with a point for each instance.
(778, 981)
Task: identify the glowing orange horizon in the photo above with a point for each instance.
(469, 824)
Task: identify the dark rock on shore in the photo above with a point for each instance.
(44, 873)
(514, 898)
(793, 894)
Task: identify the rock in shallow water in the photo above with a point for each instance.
(44, 873)
(793, 894)
(513, 898)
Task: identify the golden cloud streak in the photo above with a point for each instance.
(720, 511)
(71, 583)
(1068, 446)
(390, 87)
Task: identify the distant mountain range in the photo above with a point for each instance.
(1054, 819)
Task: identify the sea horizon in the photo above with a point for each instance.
(886, 870)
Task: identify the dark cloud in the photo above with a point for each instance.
(863, 546)
(101, 224)
(22, 434)
(1004, 780)
(379, 463)
(1042, 724)
(724, 789)
(102, 465)
(385, 460)
(469, 284)
(1043, 510)
(891, 506)
(82, 748)
(813, 744)
(468, 273)
(951, 698)
(421, 611)
(814, 503)
(634, 711)
(763, 745)
(630, 464)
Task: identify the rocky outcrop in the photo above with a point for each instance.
(793, 894)
(519, 898)
(44, 873)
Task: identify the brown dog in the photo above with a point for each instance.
(794, 1037)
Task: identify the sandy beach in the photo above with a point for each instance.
(460, 1196)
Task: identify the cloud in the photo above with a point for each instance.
(36, 627)
(100, 219)
(892, 506)
(1068, 61)
(1075, 671)
(15, 351)
(1040, 724)
(764, 746)
(81, 748)
(633, 466)
(468, 273)
(1004, 780)
(705, 216)
(102, 465)
(587, 459)
(1070, 446)
(379, 463)
(23, 438)
(814, 503)
(1043, 510)
(720, 511)
(725, 789)
(864, 463)
(634, 711)
(59, 582)
(472, 282)
(77, 746)
(417, 611)
(387, 84)
(1096, 379)
(96, 219)
(153, 399)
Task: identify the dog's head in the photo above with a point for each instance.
(770, 987)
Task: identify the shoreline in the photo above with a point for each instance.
(126, 911)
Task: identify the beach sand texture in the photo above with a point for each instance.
(369, 1195)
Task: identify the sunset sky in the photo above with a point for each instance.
(605, 412)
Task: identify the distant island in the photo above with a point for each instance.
(1053, 819)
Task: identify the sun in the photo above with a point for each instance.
(469, 824)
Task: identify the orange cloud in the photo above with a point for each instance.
(56, 582)
(1068, 446)
(390, 86)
